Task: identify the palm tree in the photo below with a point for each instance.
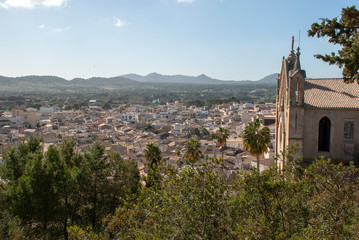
(221, 136)
(153, 154)
(193, 153)
(153, 157)
(256, 139)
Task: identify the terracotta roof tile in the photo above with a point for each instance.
(330, 93)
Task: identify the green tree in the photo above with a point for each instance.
(16, 230)
(192, 153)
(195, 203)
(77, 233)
(67, 182)
(106, 106)
(289, 205)
(102, 182)
(149, 127)
(256, 139)
(153, 158)
(221, 137)
(61, 188)
(332, 204)
(5, 216)
(16, 157)
(204, 133)
(94, 173)
(344, 32)
(41, 194)
(124, 180)
(33, 197)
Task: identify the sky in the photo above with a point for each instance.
(224, 39)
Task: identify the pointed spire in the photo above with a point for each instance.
(297, 61)
(292, 44)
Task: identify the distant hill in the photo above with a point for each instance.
(30, 80)
(45, 83)
(201, 79)
(129, 82)
(134, 77)
(269, 79)
(98, 82)
(159, 78)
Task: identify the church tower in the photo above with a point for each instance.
(289, 105)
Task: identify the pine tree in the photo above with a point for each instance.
(153, 157)
(343, 32)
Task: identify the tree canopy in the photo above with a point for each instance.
(153, 156)
(43, 193)
(64, 194)
(198, 203)
(343, 32)
(193, 153)
(221, 137)
(256, 139)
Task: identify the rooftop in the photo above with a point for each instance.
(330, 93)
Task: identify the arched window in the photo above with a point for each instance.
(324, 135)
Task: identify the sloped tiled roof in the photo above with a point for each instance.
(330, 93)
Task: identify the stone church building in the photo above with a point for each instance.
(321, 115)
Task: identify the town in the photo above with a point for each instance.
(179, 119)
(128, 129)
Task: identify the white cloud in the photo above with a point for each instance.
(32, 3)
(59, 30)
(119, 23)
(42, 26)
(185, 1)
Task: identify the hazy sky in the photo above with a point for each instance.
(225, 39)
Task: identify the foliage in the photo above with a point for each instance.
(197, 203)
(305, 206)
(16, 157)
(76, 97)
(201, 134)
(94, 195)
(153, 157)
(256, 139)
(212, 101)
(16, 230)
(344, 32)
(221, 137)
(106, 106)
(193, 206)
(47, 192)
(149, 127)
(77, 233)
(193, 153)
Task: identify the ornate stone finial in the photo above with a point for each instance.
(292, 43)
(298, 52)
(291, 57)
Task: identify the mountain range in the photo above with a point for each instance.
(201, 79)
(124, 82)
